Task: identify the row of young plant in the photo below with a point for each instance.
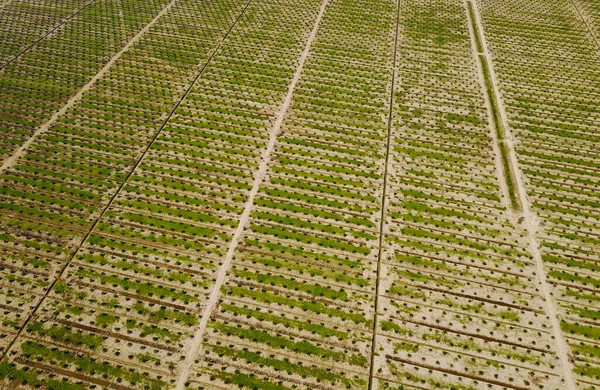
(47, 75)
(154, 253)
(551, 96)
(297, 308)
(589, 12)
(22, 23)
(459, 303)
(135, 288)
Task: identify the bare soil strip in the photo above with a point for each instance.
(500, 134)
(477, 50)
(9, 162)
(138, 162)
(26, 49)
(530, 219)
(259, 176)
(384, 199)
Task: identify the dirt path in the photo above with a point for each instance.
(493, 135)
(259, 176)
(530, 219)
(9, 162)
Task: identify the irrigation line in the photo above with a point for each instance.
(43, 36)
(260, 174)
(131, 171)
(383, 200)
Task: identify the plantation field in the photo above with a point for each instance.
(300, 194)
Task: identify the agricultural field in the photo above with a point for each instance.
(551, 100)
(300, 194)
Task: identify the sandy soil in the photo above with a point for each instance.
(77, 97)
(587, 20)
(530, 220)
(259, 176)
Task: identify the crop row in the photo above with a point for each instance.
(44, 78)
(297, 308)
(134, 293)
(115, 224)
(548, 66)
(459, 303)
(24, 22)
(589, 12)
(51, 197)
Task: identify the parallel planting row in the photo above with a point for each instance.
(133, 295)
(589, 12)
(40, 81)
(549, 73)
(297, 308)
(459, 307)
(22, 23)
(386, 247)
(51, 197)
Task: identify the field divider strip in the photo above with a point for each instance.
(122, 185)
(501, 134)
(44, 36)
(478, 52)
(530, 219)
(587, 25)
(9, 162)
(260, 174)
(383, 199)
